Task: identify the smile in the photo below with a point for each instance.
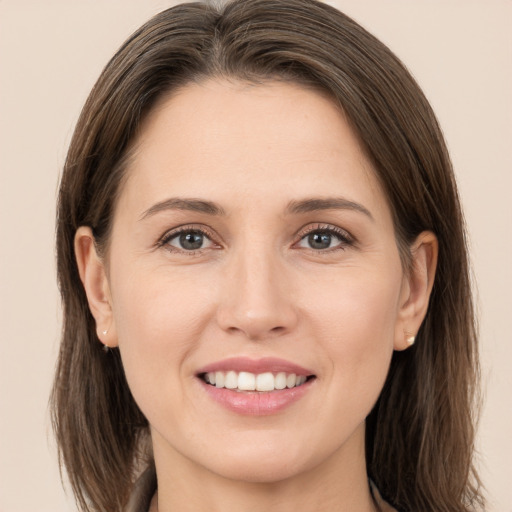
(255, 387)
(246, 381)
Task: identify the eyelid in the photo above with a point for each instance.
(345, 237)
(163, 241)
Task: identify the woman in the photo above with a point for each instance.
(258, 220)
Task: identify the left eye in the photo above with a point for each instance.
(321, 240)
(191, 240)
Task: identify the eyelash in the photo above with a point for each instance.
(189, 228)
(345, 239)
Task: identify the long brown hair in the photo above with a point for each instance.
(420, 434)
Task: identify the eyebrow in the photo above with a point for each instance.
(294, 207)
(328, 203)
(179, 203)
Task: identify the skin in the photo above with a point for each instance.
(256, 288)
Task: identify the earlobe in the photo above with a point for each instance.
(94, 279)
(416, 289)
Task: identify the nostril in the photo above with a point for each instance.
(256, 332)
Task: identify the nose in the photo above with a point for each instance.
(257, 299)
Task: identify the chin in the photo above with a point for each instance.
(261, 472)
(263, 463)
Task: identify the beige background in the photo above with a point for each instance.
(52, 51)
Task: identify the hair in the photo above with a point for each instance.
(420, 434)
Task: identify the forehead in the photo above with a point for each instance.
(253, 140)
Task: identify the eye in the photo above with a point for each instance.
(325, 238)
(187, 240)
(319, 240)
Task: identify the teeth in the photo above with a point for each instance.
(245, 381)
(219, 379)
(280, 381)
(291, 380)
(301, 380)
(231, 380)
(265, 382)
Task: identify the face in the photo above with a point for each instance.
(255, 282)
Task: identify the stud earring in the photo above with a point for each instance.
(105, 332)
(410, 340)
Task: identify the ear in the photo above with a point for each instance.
(94, 279)
(416, 289)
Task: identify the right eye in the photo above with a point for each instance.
(187, 240)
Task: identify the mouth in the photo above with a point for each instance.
(260, 382)
(256, 387)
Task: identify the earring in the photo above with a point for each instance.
(410, 340)
(105, 347)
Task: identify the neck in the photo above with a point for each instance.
(337, 484)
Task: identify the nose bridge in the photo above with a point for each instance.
(256, 300)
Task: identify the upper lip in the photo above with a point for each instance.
(256, 366)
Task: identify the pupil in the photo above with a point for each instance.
(319, 240)
(191, 241)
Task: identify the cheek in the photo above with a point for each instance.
(354, 321)
(158, 306)
(159, 320)
(356, 304)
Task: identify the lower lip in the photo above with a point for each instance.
(257, 403)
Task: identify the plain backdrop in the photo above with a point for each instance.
(51, 53)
